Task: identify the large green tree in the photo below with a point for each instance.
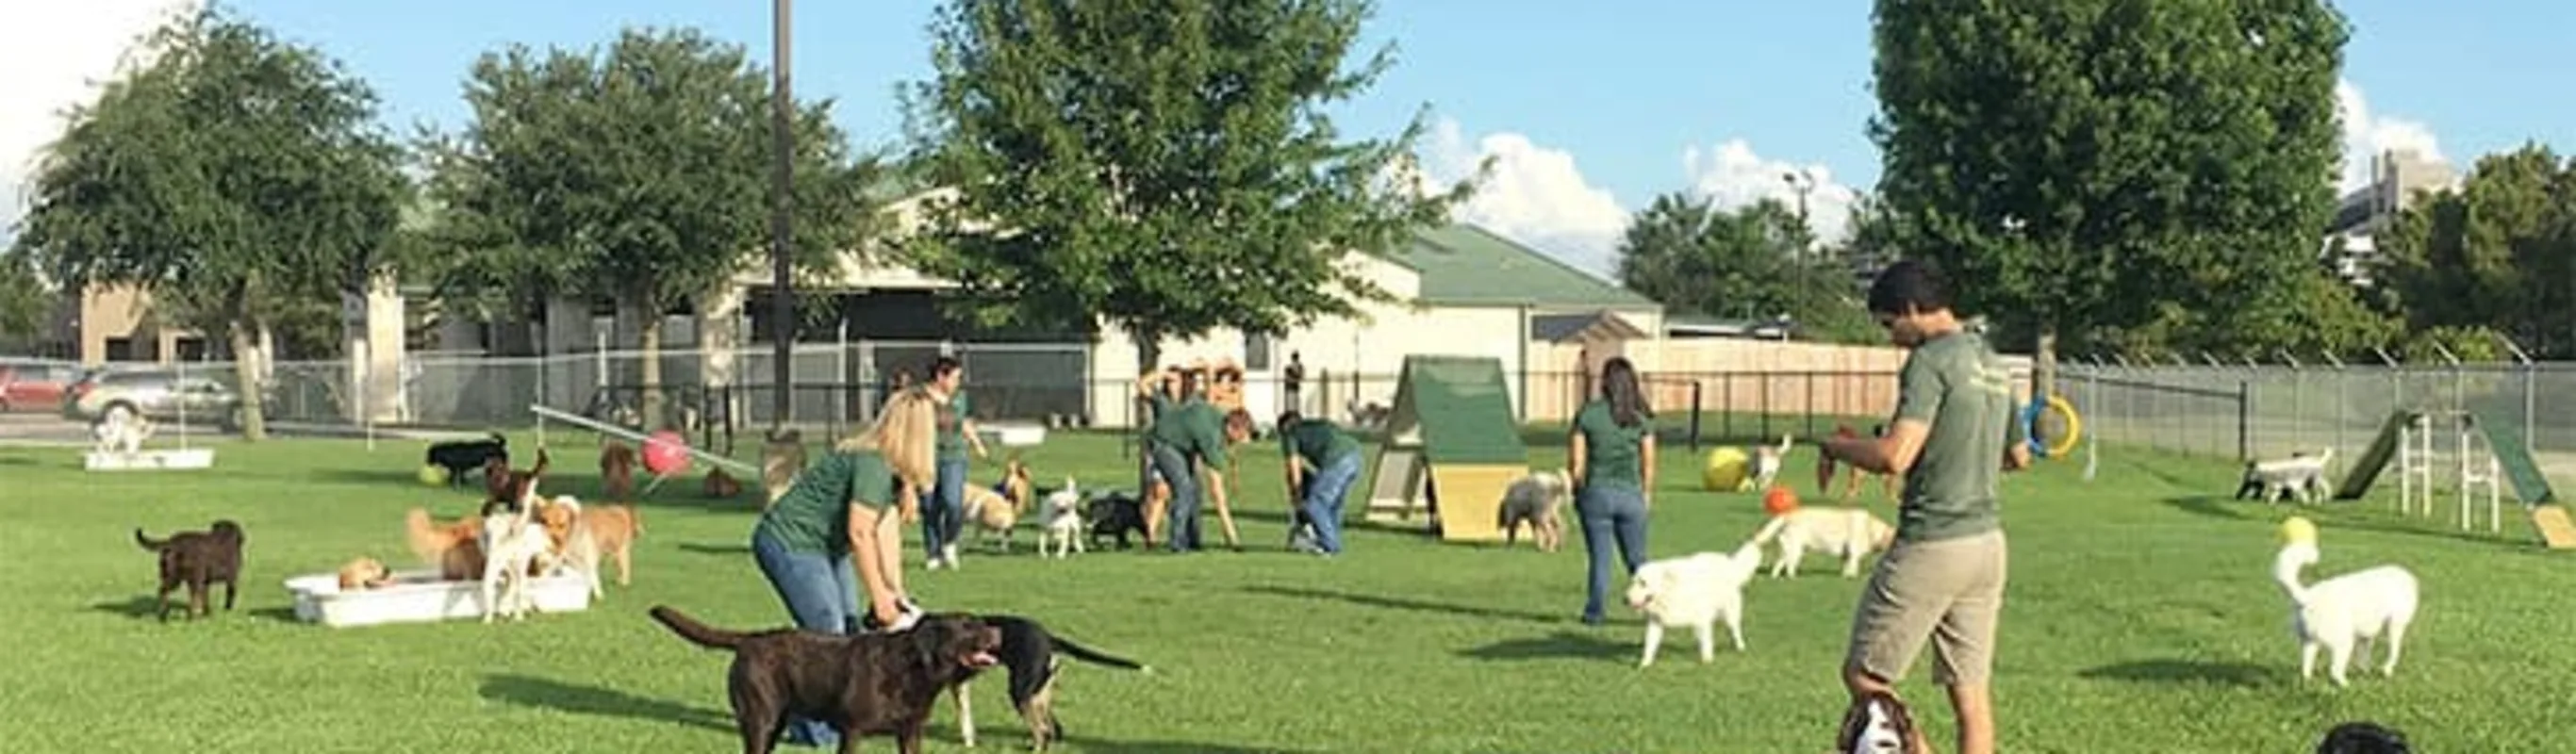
(2498, 254)
(1165, 166)
(2136, 175)
(1757, 261)
(639, 173)
(24, 298)
(236, 177)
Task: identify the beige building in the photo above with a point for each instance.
(2398, 178)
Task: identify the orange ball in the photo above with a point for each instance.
(1779, 501)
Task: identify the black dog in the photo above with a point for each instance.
(460, 456)
(2362, 738)
(1029, 652)
(862, 684)
(1115, 514)
(198, 559)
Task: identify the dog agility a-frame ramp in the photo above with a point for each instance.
(1452, 446)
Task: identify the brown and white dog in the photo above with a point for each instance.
(721, 486)
(1887, 483)
(999, 510)
(1879, 723)
(1769, 459)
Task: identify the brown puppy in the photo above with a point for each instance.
(721, 485)
(617, 471)
(1879, 723)
(362, 574)
(865, 684)
(198, 559)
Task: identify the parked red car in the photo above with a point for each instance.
(36, 385)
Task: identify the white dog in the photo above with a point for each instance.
(2300, 476)
(1063, 529)
(1852, 533)
(1696, 591)
(2346, 612)
(514, 543)
(121, 432)
(1767, 461)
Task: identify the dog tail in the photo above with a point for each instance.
(697, 633)
(1770, 530)
(1099, 657)
(427, 539)
(148, 543)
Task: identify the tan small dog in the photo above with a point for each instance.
(613, 529)
(617, 471)
(363, 573)
(996, 511)
(780, 462)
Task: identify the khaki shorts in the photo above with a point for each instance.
(1947, 590)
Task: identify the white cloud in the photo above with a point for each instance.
(1537, 194)
(1534, 194)
(52, 55)
(1734, 176)
(2366, 134)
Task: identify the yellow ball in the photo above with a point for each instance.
(1728, 470)
(2298, 529)
(433, 475)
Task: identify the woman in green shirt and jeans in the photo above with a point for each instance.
(847, 508)
(1612, 459)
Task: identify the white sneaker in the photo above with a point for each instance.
(931, 562)
(948, 552)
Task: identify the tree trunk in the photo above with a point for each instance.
(2043, 379)
(246, 359)
(648, 340)
(1149, 352)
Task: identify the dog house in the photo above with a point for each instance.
(1451, 448)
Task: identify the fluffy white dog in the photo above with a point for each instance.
(121, 432)
(2345, 612)
(1851, 533)
(1063, 529)
(514, 543)
(1696, 591)
(2301, 477)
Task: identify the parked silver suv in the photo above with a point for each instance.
(154, 393)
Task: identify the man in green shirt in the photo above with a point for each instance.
(1194, 431)
(1322, 461)
(1953, 437)
(945, 515)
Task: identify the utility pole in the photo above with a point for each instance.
(1803, 182)
(782, 293)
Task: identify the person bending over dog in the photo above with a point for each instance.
(1612, 449)
(848, 506)
(1193, 432)
(1322, 462)
(945, 516)
(1952, 439)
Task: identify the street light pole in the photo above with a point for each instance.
(782, 294)
(1803, 182)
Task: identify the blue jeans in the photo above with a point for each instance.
(1181, 527)
(944, 514)
(1323, 503)
(1610, 514)
(822, 594)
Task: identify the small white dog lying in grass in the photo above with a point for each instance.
(1851, 533)
(1695, 591)
(2344, 613)
(1063, 528)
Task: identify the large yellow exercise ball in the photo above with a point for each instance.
(1728, 470)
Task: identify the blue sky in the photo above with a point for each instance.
(1589, 113)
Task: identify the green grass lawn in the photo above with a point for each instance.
(2140, 617)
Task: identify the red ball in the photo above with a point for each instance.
(1779, 501)
(666, 453)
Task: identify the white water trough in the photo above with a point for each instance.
(420, 596)
(147, 460)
